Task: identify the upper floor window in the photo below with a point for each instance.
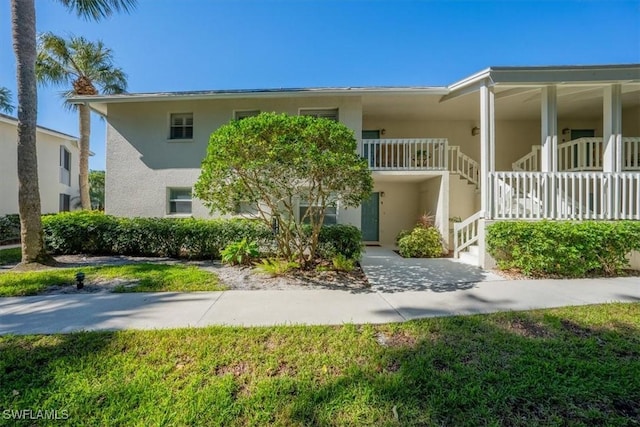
(239, 115)
(181, 126)
(65, 166)
(325, 113)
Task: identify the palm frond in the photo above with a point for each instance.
(5, 100)
(98, 9)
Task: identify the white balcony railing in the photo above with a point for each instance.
(405, 154)
(581, 155)
(565, 195)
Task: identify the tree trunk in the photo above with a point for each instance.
(85, 132)
(23, 22)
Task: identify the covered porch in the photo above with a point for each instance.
(587, 162)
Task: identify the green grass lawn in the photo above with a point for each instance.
(10, 256)
(153, 278)
(572, 366)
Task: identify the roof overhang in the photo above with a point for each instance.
(546, 75)
(14, 121)
(98, 103)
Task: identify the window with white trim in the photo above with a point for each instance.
(65, 203)
(239, 115)
(180, 200)
(324, 113)
(65, 166)
(181, 126)
(330, 212)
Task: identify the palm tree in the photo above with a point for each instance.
(5, 100)
(23, 27)
(87, 67)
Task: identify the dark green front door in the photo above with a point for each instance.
(370, 218)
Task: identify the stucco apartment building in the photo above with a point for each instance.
(505, 143)
(58, 168)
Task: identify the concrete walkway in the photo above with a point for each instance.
(389, 272)
(104, 311)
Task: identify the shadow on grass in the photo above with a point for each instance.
(555, 367)
(516, 369)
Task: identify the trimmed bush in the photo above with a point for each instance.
(96, 233)
(421, 243)
(340, 239)
(9, 228)
(563, 248)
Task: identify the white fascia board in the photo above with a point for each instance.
(98, 103)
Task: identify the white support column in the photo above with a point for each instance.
(549, 132)
(612, 129)
(487, 147)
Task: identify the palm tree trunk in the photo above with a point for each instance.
(23, 22)
(85, 132)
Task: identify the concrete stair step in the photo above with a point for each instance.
(469, 258)
(474, 250)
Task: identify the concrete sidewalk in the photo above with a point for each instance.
(105, 311)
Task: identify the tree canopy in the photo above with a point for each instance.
(275, 162)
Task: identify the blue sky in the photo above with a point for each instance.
(173, 45)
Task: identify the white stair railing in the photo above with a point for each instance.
(464, 165)
(582, 154)
(530, 162)
(465, 233)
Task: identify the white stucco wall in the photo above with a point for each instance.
(142, 163)
(48, 150)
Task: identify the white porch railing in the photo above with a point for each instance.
(631, 153)
(565, 195)
(582, 154)
(465, 233)
(464, 165)
(405, 154)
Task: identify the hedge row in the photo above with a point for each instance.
(84, 232)
(9, 229)
(563, 248)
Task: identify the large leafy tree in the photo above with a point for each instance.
(275, 162)
(87, 69)
(5, 100)
(23, 24)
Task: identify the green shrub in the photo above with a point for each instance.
(9, 228)
(340, 239)
(97, 233)
(80, 232)
(563, 248)
(276, 267)
(342, 263)
(421, 243)
(242, 252)
(402, 234)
